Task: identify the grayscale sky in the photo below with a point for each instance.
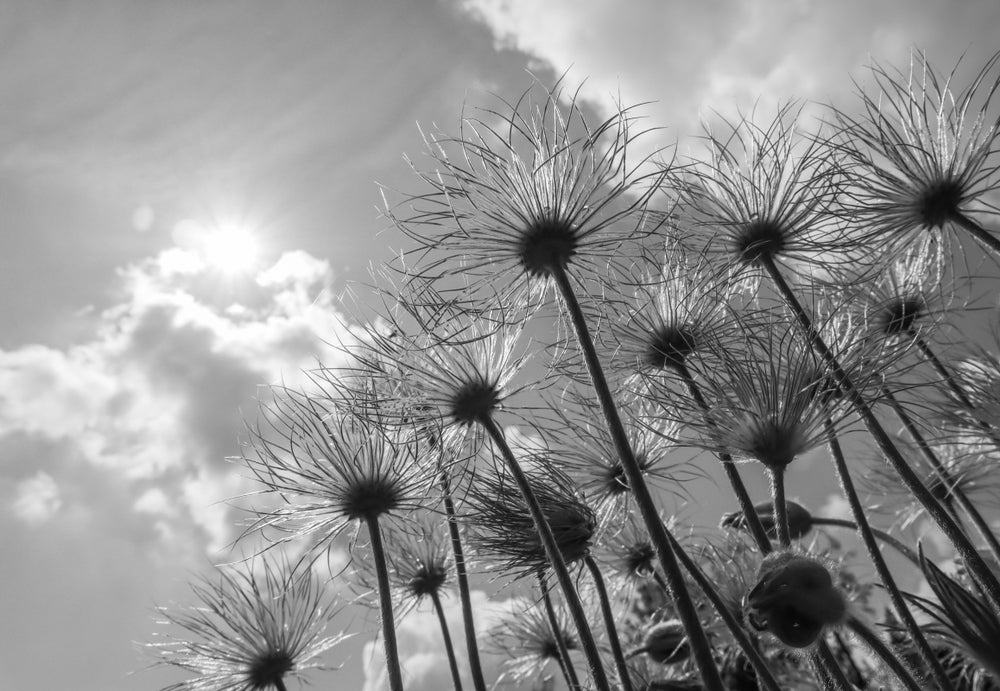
(186, 188)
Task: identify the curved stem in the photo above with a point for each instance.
(882, 651)
(552, 552)
(975, 562)
(279, 684)
(475, 667)
(385, 603)
(954, 490)
(686, 610)
(880, 534)
(609, 623)
(456, 677)
(569, 673)
(780, 507)
(735, 481)
(764, 676)
(978, 232)
(898, 602)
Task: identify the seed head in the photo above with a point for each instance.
(666, 642)
(799, 519)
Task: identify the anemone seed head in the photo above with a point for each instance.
(253, 628)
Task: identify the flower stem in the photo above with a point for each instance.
(880, 534)
(736, 482)
(977, 565)
(569, 673)
(861, 682)
(953, 489)
(552, 552)
(978, 232)
(279, 684)
(780, 507)
(385, 603)
(875, 554)
(764, 676)
(828, 670)
(448, 647)
(609, 623)
(686, 611)
(475, 667)
(882, 651)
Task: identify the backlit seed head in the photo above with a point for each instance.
(758, 240)
(940, 202)
(669, 347)
(547, 244)
(794, 599)
(475, 402)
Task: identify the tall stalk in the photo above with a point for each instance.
(976, 564)
(777, 476)
(880, 534)
(735, 481)
(553, 554)
(978, 232)
(385, 604)
(472, 647)
(686, 611)
(875, 554)
(882, 651)
(609, 623)
(569, 672)
(456, 677)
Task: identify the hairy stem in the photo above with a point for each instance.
(885, 654)
(780, 507)
(978, 232)
(385, 604)
(456, 677)
(569, 673)
(977, 565)
(279, 684)
(552, 553)
(686, 610)
(475, 667)
(609, 623)
(862, 682)
(881, 568)
(736, 482)
(826, 668)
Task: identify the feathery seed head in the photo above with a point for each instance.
(253, 629)
(528, 642)
(666, 642)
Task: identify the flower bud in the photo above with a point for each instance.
(799, 519)
(794, 599)
(666, 642)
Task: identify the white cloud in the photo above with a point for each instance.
(835, 506)
(690, 57)
(37, 499)
(421, 650)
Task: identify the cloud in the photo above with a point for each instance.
(37, 499)
(691, 57)
(421, 651)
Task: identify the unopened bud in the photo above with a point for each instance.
(800, 521)
(794, 599)
(666, 643)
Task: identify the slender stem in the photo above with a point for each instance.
(977, 231)
(475, 667)
(828, 670)
(882, 651)
(954, 490)
(385, 603)
(884, 574)
(554, 555)
(569, 673)
(609, 623)
(764, 676)
(975, 562)
(780, 507)
(686, 610)
(736, 482)
(456, 677)
(279, 684)
(880, 534)
(850, 660)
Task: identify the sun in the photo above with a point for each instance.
(231, 249)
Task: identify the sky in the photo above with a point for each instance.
(189, 188)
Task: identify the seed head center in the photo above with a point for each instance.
(669, 347)
(759, 239)
(474, 402)
(940, 202)
(547, 244)
(269, 668)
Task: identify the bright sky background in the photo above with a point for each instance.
(135, 137)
